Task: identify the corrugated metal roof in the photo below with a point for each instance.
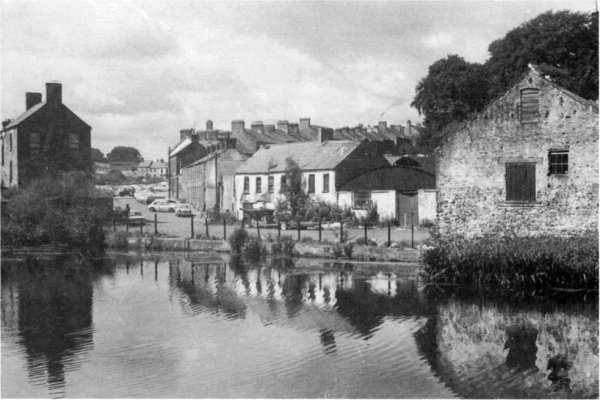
(391, 178)
(24, 116)
(308, 155)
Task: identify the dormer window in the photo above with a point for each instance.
(530, 105)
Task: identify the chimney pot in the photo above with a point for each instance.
(237, 127)
(304, 123)
(382, 125)
(257, 126)
(31, 99)
(282, 125)
(209, 125)
(324, 134)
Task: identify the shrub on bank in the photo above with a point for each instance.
(237, 240)
(284, 246)
(515, 263)
(253, 249)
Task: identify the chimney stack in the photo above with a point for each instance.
(237, 128)
(269, 129)
(31, 99)
(282, 126)
(293, 130)
(53, 93)
(324, 134)
(382, 126)
(257, 126)
(304, 124)
(209, 125)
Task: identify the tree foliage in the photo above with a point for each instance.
(563, 44)
(98, 156)
(451, 91)
(123, 153)
(294, 204)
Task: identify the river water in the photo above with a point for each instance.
(182, 326)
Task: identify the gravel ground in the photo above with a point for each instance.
(169, 224)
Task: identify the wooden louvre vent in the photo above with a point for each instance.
(520, 182)
(530, 105)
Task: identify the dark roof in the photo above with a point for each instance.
(308, 155)
(14, 123)
(391, 178)
(423, 162)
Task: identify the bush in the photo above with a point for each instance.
(253, 249)
(237, 240)
(365, 242)
(426, 223)
(341, 249)
(514, 263)
(348, 247)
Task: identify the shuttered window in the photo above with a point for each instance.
(282, 183)
(520, 182)
(558, 162)
(258, 185)
(530, 105)
(325, 183)
(246, 185)
(271, 184)
(311, 183)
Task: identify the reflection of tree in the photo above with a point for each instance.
(292, 291)
(328, 340)
(55, 316)
(521, 346)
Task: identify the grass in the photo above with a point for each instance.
(526, 263)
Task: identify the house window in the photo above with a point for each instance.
(10, 174)
(311, 183)
(246, 185)
(282, 182)
(530, 105)
(520, 182)
(271, 184)
(258, 185)
(73, 141)
(34, 142)
(10, 142)
(558, 162)
(3, 153)
(325, 183)
(361, 199)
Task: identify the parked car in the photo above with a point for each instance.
(183, 210)
(127, 191)
(152, 197)
(167, 205)
(141, 196)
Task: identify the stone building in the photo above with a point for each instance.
(527, 165)
(46, 138)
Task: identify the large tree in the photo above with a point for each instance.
(295, 202)
(123, 153)
(563, 44)
(453, 89)
(98, 156)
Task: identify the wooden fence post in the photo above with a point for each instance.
(412, 231)
(366, 239)
(342, 231)
(319, 230)
(206, 225)
(224, 229)
(192, 226)
(389, 234)
(155, 223)
(258, 229)
(141, 226)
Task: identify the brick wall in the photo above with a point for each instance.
(471, 170)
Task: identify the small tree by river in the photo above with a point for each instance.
(56, 210)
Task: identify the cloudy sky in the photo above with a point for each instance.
(139, 71)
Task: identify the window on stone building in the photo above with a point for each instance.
(34, 142)
(10, 172)
(73, 141)
(246, 185)
(361, 199)
(10, 142)
(325, 183)
(530, 105)
(258, 184)
(3, 153)
(271, 184)
(520, 182)
(311, 183)
(558, 162)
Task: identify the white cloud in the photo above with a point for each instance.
(439, 40)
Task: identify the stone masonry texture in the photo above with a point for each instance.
(471, 177)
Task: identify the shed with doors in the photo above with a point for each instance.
(527, 165)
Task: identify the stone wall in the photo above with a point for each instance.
(471, 198)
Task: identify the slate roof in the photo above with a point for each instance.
(308, 155)
(159, 164)
(180, 146)
(145, 164)
(391, 178)
(14, 123)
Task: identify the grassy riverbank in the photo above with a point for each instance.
(526, 263)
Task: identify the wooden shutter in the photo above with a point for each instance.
(530, 105)
(520, 182)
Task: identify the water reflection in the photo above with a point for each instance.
(180, 326)
(492, 349)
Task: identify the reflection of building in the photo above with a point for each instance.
(54, 317)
